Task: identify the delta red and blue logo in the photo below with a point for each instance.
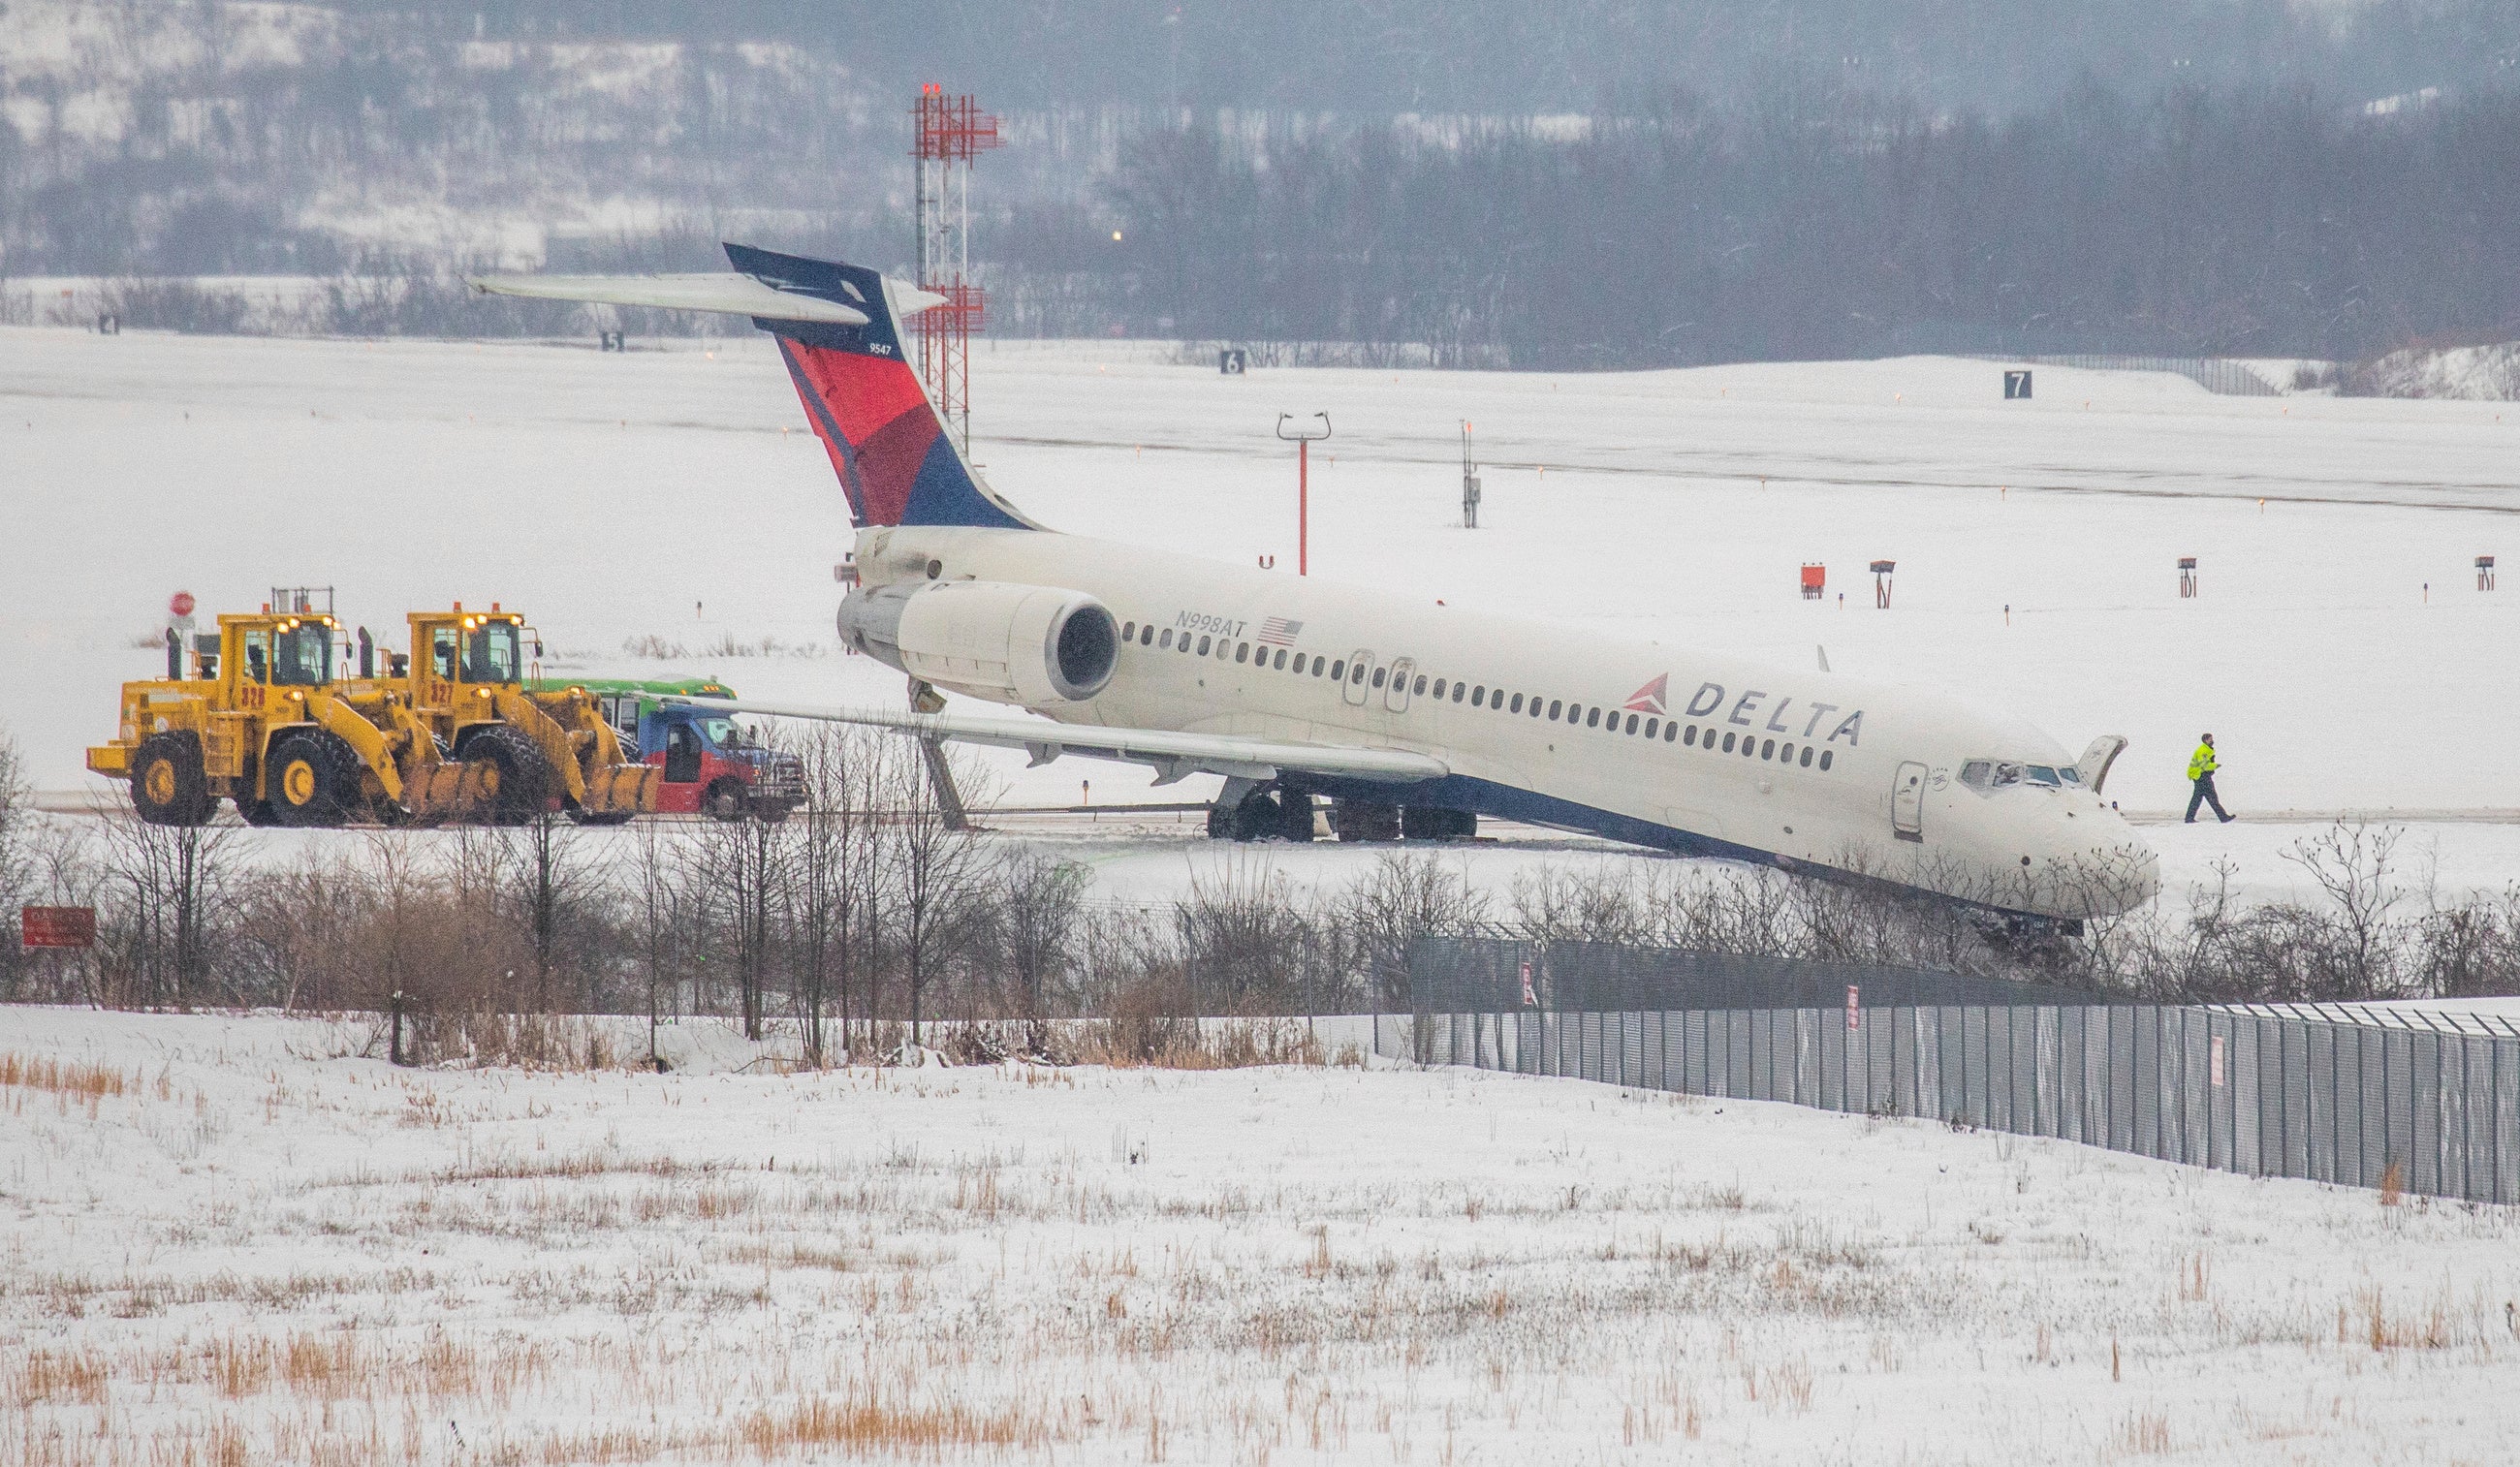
(1649, 698)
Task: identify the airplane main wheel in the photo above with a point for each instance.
(1431, 823)
(167, 784)
(1355, 819)
(1294, 816)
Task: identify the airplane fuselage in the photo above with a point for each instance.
(1659, 745)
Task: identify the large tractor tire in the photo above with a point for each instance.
(726, 800)
(313, 780)
(168, 785)
(527, 781)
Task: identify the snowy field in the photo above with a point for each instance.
(2340, 651)
(229, 1243)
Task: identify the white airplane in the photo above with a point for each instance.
(1408, 719)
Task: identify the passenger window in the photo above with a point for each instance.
(1168, 638)
(1751, 745)
(1317, 667)
(1241, 651)
(1439, 688)
(1785, 755)
(1147, 635)
(1478, 699)
(1824, 758)
(1806, 759)
(1670, 731)
(1767, 750)
(1632, 723)
(1355, 674)
(1653, 726)
(1553, 706)
(1128, 632)
(1593, 718)
(1338, 670)
(1728, 743)
(1380, 674)
(1517, 704)
(1203, 647)
(1418, 689)
(1690, 738)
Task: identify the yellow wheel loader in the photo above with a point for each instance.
(449, 733)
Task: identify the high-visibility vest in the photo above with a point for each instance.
(2202, 763)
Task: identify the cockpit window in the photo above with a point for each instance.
(1997, 774)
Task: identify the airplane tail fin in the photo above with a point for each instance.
(838, 333)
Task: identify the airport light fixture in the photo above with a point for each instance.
(1303, 437)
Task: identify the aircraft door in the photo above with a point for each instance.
(1396, 696)
(1908, 802)
(1357, 666)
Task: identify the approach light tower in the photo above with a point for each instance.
(951, 132)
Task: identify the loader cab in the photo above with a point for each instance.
(462, 654)
(266, 651)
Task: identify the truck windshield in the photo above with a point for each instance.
(302, 657)
(490, 655)
(723, 732)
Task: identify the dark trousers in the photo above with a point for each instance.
(2205, 795)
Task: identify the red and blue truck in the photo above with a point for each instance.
(712, 766)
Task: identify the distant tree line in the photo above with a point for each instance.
(1820, 224)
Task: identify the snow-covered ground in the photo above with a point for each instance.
(2340, 651)
(228, 1243)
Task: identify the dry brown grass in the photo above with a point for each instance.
(2144, 1434)
(2393, 1184)
(88, 1081)
(869, 1426)
(2428, 1328)
(70, 1375)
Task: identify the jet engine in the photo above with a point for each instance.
(1028, 644)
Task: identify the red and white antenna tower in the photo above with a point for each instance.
(951, 132)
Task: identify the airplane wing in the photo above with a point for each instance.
(1172, 755)
(725, 293)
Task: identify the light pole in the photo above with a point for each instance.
(1302, 438)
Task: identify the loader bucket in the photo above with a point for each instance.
(452, 791)
(622, 790)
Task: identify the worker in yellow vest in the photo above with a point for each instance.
(2200, 769)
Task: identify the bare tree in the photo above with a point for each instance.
(1040, 901)
(935, 871)
(1405, 896)
(173, 884)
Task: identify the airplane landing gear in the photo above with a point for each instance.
(1260, 812)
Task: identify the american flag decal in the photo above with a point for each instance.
(1278, 631)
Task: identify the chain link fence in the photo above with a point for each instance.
(2426, 1110)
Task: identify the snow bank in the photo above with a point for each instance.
(223, 1247)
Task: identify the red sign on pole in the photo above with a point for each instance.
(180, 603)
(1530, 998)
(2215, 1060)
(1854, 1016)
(57, 926)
